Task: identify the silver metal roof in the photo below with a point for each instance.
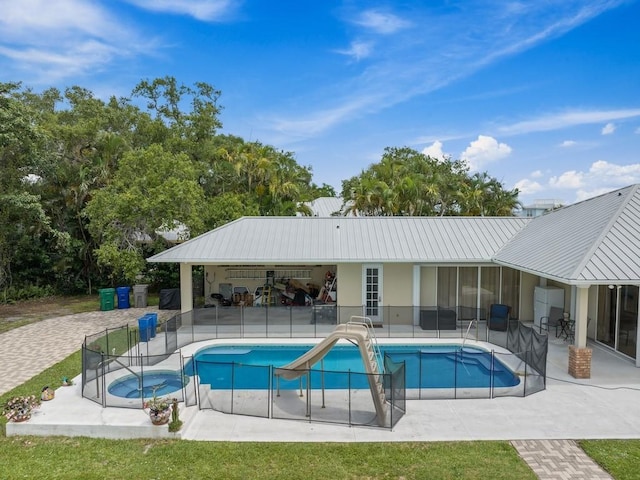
(325, 207)
(590, 242)
(596, 241)
(311, 240)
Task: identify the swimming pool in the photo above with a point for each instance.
(162, 382)
(427, 366)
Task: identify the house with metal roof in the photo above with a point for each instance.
(582, 259)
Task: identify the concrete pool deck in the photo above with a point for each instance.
(604, 406)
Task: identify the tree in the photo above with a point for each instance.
(87, 138)
(153, 190)
(22, 216)
(79, 153)
(406, 182)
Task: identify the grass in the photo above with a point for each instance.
(29, 457)
(621, 458)
(116, 342)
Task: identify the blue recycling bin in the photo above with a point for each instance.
(123, 296)
(153, 323)
(144, 324)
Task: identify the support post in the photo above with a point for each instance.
(579, 362)
(579, 353)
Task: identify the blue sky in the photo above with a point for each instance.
(544, 95)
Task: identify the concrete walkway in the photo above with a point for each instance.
(534, 424)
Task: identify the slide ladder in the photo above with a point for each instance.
(360, 333)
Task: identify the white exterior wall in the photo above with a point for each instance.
(428, 283)
(350, 284)
(397, 284)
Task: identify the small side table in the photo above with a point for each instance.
(567, 327)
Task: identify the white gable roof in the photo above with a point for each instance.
(590, 242)
(310, 240)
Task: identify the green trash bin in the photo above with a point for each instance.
(107, 298)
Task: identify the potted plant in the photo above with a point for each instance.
(176, 423)
(18, 409)
(159, 410)
(47, 393)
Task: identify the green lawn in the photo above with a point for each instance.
(52, 458)
(621, 458)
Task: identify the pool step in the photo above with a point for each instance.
(482, 360)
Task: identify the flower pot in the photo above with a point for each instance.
(21, 418)
(160, 418)
(47, 394)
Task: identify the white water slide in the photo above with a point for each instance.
(359, 333)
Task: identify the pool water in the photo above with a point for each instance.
(163, 382)
(427, 366)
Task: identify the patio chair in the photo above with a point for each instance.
(498, 316)
(553, 320)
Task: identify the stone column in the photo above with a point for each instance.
(579, 362)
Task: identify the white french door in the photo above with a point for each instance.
(372, 291)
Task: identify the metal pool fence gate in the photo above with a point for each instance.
(315, 396)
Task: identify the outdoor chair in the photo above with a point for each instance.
(498, 317)
(553, 320)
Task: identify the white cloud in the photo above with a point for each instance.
(65, 18)
(567, 119)
(435, 150)
(616, 174)
(205, 10)
(65, 39)
(608, 129)
(319, 121)
(528, 187)
(568, 143)
(584, 194)
(569, 180)
(537, 174)
(601, 177)
(483, 151)
(357, 50)
(379, 22)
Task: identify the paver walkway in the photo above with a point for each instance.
(28, 350)
(559, 460)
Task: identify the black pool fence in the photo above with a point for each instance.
(109, 355)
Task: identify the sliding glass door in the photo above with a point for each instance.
(618, 317)
(471, 290)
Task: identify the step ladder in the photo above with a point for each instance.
(266, 296)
